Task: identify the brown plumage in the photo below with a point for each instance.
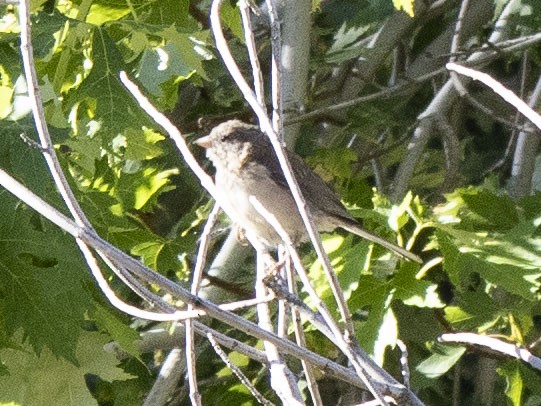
(246, 164)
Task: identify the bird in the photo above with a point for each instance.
(246, 165)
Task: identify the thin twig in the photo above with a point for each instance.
(247, 303)
(451, 148)
(237, 371)
(47, 149)
(376, 402)
(267, 127)
(282, 379)
(300, 337)
(200, 260)
(245, 7)
(455, 42)
(500, 90)
(167, 380)
(404, 362)
(525, 156)
(90, 238)
(197, 276)
(282, 311)
(276, 72)
(494, 344)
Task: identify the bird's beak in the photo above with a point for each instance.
(204, 142)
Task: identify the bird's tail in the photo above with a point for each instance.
(361, 232)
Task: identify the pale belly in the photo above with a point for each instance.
(235, 201)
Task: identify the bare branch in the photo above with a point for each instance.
(168, 378)
(494, 344)
(237, 371)
(299, 334)
(90, 238)
(252, 51)
(267, 127)
(500, 90)
(282, 379)
(524, 158)
(47, 149)
(197, 276)
(440, 105)
(404, 362)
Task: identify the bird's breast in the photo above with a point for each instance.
(235, 189)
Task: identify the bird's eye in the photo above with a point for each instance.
(227, 138)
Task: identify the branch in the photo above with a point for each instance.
(267, 127)
(300, 337)
(167, 380)
(523, 166)
(365, 367)
(90, 238)
(282, 379)
(47, 149)
(440, 105)
(237, 371)
(197, 276)
(506, 94)
(494, 344)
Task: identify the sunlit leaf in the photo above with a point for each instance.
(443, 359)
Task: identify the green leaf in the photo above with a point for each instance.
(531, 381)
(23, 161)
(387, 336)
(510, 261)
(399, 213)
(444, 358)
(48, 380)
(181, 55)
(473, 310)
(514, 383)
(414, 292)
(332, 163)
(193, 48)
(42, 281)
(140, 190)
(375, 296)
(167, 13)
(345, 46)
(406, 5)
(84, 152)
(118, 330)
(142, 144)
(347, 262)
(497, 210)
(102, 12)
(45, 27)
(530, 206)
(231, 17)
(515, 280)
(108, 102)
